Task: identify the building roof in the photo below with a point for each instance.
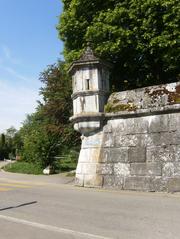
(88, 58)
(88, 55)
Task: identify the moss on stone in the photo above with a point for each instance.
(173, 97)
(113, 108)
(177, 100)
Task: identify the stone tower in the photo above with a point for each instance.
(90, 82)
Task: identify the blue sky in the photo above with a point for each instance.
(28, 43)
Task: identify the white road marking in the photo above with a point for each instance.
(52, 228)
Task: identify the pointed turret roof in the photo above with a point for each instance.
(88, 55)
(88, 58)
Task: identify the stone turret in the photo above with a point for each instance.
(90, 82)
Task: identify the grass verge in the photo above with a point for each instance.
(23, 167)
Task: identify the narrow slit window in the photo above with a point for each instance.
(87, 84)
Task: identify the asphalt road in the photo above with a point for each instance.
(35, 207)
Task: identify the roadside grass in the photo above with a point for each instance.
(63, 164)
(23, 167)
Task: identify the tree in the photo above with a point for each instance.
(3, 149)
(57, 106)
(48, 132)
(141, 37)
(10, 143)
(39, 146)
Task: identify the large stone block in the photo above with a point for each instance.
(122, 169)
(130, 126)
(111, 181)
(161, 139)
(142, 183)
(146, 169)
(126, 140)
(79, 180)
(119, 155)
(165, 153)
(114, 155)
(86, 168)
(159, 123)
(104, 168)
(89, 168)
(138, 183)
(174, 122)
(93, 180)
(171, 169)
(89, 155)
(108, 140)
(173, 185)
(137, 154)
(151, 139)
(169, 138)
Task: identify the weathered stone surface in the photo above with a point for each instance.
(115, 155)
(107, 128)
(111, 181)
(159, 139)
(89, 168)
(86, 168)
(122, 169)
(108, 140)
(129, 126)
(137, 154)
(94, 140)
(173, 185)
(138, 183)
(174, 122)
(151, 139)
(126, 140)
(147, 98)
(169, 138)
(93, 180)
(144, 183)
(164, 153)
(89, 155)
(146, 169)
(159, 123)
(137, 150)
(104, 169)
(79, 179)
(119, 155)
(171, 169)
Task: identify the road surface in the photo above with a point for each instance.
(35, 207)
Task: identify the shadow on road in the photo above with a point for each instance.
(21, 205)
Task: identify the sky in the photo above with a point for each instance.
(28, 43)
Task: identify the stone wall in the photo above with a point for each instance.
(138, 148)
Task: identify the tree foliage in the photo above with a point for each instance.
(141, 37)
(48, 132)
(10, 144)
(57, 107)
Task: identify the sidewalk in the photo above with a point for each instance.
(3, 163)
